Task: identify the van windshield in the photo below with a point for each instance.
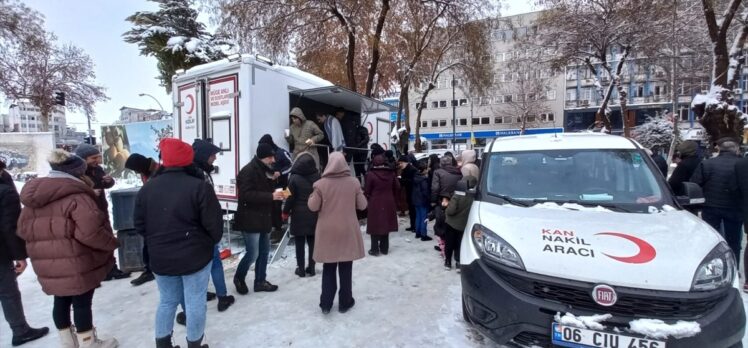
(610, 178)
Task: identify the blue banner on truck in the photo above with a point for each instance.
(488, 134)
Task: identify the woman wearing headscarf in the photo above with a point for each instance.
(70, 243)
(303, 135)
(338, 242)
(382, 187)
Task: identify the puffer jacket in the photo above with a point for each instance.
(68, 237)
(445, 179)
(298, 135)
(254, 213)
(458, 210)
(469, 168)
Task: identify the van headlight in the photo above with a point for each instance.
(717, 269)
(489, 244)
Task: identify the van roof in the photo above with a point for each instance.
(560, 141)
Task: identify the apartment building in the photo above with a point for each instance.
(24, 117)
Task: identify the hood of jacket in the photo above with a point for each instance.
(336, 166)
(296, 112)
(468, 156)
(445, 161)
(466, 183)
(268, 139)
(449, 168)
(40, 192)
(304, 165)
(203, 150)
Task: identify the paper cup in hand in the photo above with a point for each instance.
(287, 131)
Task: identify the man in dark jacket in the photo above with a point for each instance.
(205, 156)
(281, 169)
(717, 178)
(359, 156)
(689, 161)
(101, 181)
(741, 171)
(179, 216)
(407, 175)
(13, 263)
(146, 168)
(254, 217)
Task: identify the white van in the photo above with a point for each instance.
(575, 241)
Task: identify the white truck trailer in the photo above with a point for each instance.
(234, 101)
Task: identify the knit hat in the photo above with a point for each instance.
(376, 149)
(268, 139)
(687, 148)
(175, 153)
(85, 151)
(63, 161)
(138, 163)
(404, 158)
(265, 151)
(378, 160)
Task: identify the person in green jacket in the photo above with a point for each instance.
(457, 211)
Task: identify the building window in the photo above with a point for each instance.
(508, 98)
(463, 102)
(434, 123)
(485, 120)
(434, 104)
(442, 123)
(442, 103)
(463, 122)
(571, 73)
(498, 120)
(424, 124)
(475, 121)
(639, 91)
(551, 94)
(530, 118)
(485, 100)
(547, 117)
(684, 113)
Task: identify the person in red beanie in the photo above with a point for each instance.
(179, 216)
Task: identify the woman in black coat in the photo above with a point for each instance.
(303, 221)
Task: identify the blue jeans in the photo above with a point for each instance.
(728, 223)
(216, 272)
(257, 245)
(422, 212)
(173, 290)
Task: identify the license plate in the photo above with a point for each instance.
(573, 337)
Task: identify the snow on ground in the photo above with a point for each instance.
(404, 299)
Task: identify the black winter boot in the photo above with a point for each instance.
(310, 270)
(224, 302)
(144, 277)
(165, 342)
(30, 335)
(197, 344)
(300, 272)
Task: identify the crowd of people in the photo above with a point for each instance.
(64, 226)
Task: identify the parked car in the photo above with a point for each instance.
(573, 240)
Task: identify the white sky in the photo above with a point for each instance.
(97, 27)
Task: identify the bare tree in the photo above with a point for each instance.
(601, 35)
(526, 91)
(19, 23)
(716, 111)
(36, 70)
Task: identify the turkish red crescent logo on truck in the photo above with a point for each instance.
(192, 103)
(646, 251)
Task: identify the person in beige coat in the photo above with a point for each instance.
(303, 135)
(338, 241)
(468, 164)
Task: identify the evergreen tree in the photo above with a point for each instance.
(655, 132)
(175, 37)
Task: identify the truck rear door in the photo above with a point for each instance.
(223, 129)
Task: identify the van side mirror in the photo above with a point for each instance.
(694, 195)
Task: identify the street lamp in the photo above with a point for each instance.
(154, 99)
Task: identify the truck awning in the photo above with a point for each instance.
(341, 97)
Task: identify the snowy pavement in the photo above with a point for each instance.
(404, 299)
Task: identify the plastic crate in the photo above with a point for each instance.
(130, 251)
(123, 207)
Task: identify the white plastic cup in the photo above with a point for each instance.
(287, 131)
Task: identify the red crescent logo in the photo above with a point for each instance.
(646, 251)
(192, 103)
(384, 146)
(371, 127)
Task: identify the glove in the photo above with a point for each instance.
(284, 216)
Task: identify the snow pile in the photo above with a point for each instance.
(570, 206)
(583, 322)
(714, 97)
(658, 329)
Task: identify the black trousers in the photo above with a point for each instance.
(412, 214)
(10, 299)
(82, 313)
(299, 243)
(380, 243)
(329, 284)
(452, 244)
(146, 258)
